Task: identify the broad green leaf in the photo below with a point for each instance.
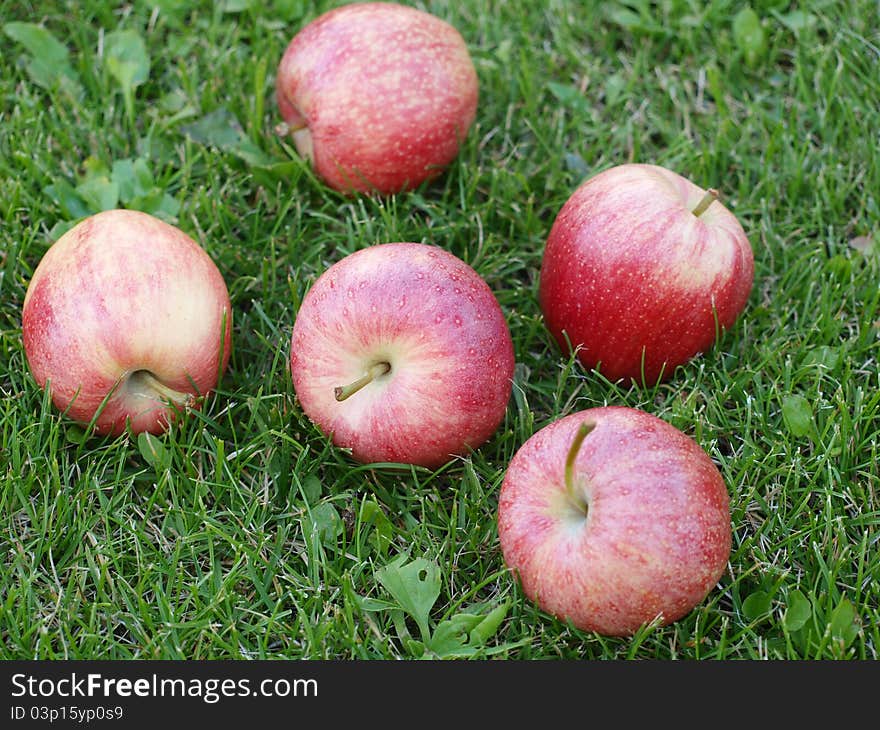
(65, 197)
(157, 203)
(75, 434)
(143, 178)
(236, 6)
(414, 647)
(798, 415)
(576, 164)
(489, 625)
(450, 638)
(797, 20)
(311, 488)
(248, 150)
(222, 130)
(38, 41)
(48, 65)
(60, 228)
(95, 167)
(173, 10)
(415, 586)
(823, 356)
(327, 523)
(624, 17)
(569, 96)
(99, 193)
(153, 450)
(634, 22)
(383, 530)
(503, 52)
(797, 611)
(844, 622)
(757, 604)
(290, 10)
(218, 128)
(174, 101)
(123, 175)
(614, 86)
(127, 61)
(287, 172)
(749, 36)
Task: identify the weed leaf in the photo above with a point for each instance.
(153, 450)
(383, 531)
(48, 65)
(326, 523)
(222, 130)
(798, 611)
(749, 36)
(415, 586)
(489, 625)
(757, 605)
(844, 623)
(798, 415)
(127, 61)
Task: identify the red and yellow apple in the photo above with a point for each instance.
(127, 321)
(378, 96)
(642, 271)
(612, 518)
(401, 353)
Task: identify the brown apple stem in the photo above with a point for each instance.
(582, 432)
(374, 371)
(144, 383)
(283, 129)
(710, 197)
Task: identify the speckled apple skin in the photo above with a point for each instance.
(657, 535)
(119, 292)
(388, 94)
(628, 269)
(438, 324)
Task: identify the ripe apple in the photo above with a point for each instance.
(378, 96)
(401, 352)
(642, 271)
(612, 518)
(126, 320)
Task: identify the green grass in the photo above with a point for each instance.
(245, 535)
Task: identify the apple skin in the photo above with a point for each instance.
(127, 304)
(629, 269)
(379, 96)
(656, 537)
(438, 325)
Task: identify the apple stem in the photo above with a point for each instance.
(144, 383)
(710, 197)
(374, 371)
(283, 129)
(582, 432)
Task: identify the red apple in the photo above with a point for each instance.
(401, 352)
(126, 321)
(642, 271)
(378, 96)
(612, 518)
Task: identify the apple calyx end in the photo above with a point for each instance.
(710, 197)
(376, 370)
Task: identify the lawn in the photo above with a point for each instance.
(243, 533)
